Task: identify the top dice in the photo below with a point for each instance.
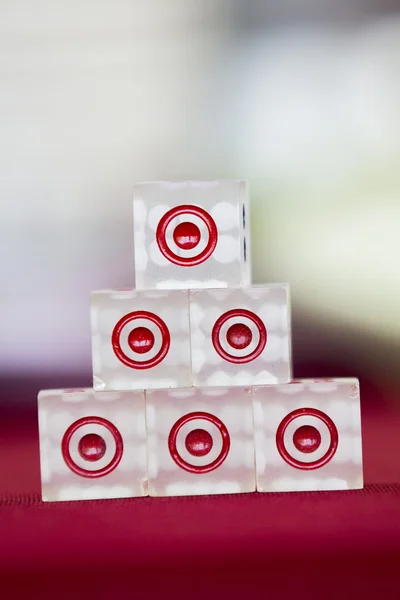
(191, 234)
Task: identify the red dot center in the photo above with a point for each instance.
(198, 442)
(141, 340)
(239, 336)
(307, 439)
(92, 447)
(187, 235)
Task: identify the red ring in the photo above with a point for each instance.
(130, 362)
(119, 447)
(162, 240)
(198, 469)
(239, 312)
(298, 464)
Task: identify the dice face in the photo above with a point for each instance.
(308, 436)
(241, 336)
(191, 234)
(140, 339)
(92, 444)
(200, 441)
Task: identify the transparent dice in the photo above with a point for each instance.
(92, 444)
(191, 234)
(241, 336)
(200, 441)
(140, 340)
(308, 436)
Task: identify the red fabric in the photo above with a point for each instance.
(321, 545)
(311, 545)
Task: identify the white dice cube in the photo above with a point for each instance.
(241, 336)
(92, 444)
(140, 340)
(191, 234)
(200, 441)
(308, 436)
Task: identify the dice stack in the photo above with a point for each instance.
(192, 372)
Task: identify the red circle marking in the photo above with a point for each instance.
(307, 439)
(186, 261)
(92, 447)
(141, 340)
(187, 235)
(239, 312)
(130, 362)
(239, 336)
(298, 464)
(114, 462)
(198, 442)
(198, 469)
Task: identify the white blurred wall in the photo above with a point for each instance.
(321, 145)
(97, 95)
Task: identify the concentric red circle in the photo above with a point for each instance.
(298, 464)
(216, 332)
(198, 469)
(127, 360)
(114, 462)
(186, 261)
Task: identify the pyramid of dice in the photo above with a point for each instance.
(192, 372)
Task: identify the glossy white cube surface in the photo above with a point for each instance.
(241, 336)
(121, 359)
(69, 419)
(291, 420)
(191, 234)
(224, 415)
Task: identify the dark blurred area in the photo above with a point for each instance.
(301, 97)
(259, 14)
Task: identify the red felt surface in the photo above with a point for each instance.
(311, 545)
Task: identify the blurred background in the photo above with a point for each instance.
(301, 97)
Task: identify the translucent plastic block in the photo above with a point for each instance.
(308, 436)
(140, 339)
(200, 441)
(92, 444)
(241, 336)
(191, 234)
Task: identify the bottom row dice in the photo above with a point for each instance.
(308, 436)
(92, 444)
(300, 436)
(200, 441)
